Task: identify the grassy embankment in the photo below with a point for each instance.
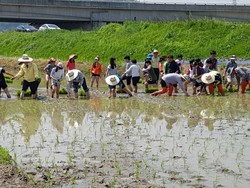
(190, 38)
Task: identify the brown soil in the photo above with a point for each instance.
(11, 177)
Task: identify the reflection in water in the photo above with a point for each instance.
(182, 135)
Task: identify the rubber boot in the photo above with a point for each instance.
(87, 95)
(211, 88)
(76, 95)
(7, 92)
(22, 95)
(170, 90)
(220, 89)
(243, 86)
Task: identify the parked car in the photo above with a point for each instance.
(48, 26)
(26, 28)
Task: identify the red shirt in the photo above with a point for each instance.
(71, 65)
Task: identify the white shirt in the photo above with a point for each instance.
(134, 70)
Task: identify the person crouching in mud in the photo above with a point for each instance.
(167, 84)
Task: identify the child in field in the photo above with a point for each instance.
(112, 79)
(134, 70)
(57, 74)
(95, 71)
(3, 84)
(51, 64)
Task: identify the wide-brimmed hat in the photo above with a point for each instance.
(60, 65)
(72, 74)
(73, 56)
(112, 80)
(208, 78)
(25, 58)
(155, 51)
(233, 57)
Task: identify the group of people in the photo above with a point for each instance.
(166, 70)
(171, 74)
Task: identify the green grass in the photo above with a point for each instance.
(190, 38)
(5, 157)
(26, 94)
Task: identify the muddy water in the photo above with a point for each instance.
(168, 142)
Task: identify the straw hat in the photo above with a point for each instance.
(155, 51)
(25, 58)
(208, 78)
(73, 56)
(71, 75)
(233, 57)
(112, 80)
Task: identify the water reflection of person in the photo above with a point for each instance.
(57, 119)
(171, 122)
(31, 120)
(209, 123)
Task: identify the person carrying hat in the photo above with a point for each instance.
(30, 74)
(51, 64)
(228, 72)
(243, 77)
(213, 79)
(3, 84)
(56, 75)
(77, 78)
(167, 84)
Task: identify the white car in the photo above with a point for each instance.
(48, 26)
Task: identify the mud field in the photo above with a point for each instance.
(141, 141)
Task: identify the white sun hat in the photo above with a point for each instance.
(72, 74)
(208, 78)
(25, 58)
(112, 80)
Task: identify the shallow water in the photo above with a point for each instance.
(169, 141)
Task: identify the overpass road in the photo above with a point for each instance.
(87, 14)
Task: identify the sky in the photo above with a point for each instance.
(228, 2)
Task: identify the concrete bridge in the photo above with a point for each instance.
(88, 14)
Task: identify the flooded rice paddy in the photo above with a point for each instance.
(141, 141)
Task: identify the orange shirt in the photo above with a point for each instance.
(97, 69)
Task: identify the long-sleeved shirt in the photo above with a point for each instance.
(243, 73)
(57, 75)
(134, 70)
(173, 78)
(29, 72)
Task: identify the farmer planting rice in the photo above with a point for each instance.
(167, 84)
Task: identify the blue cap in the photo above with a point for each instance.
(149, 56)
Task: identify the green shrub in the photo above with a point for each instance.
(5, 157)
